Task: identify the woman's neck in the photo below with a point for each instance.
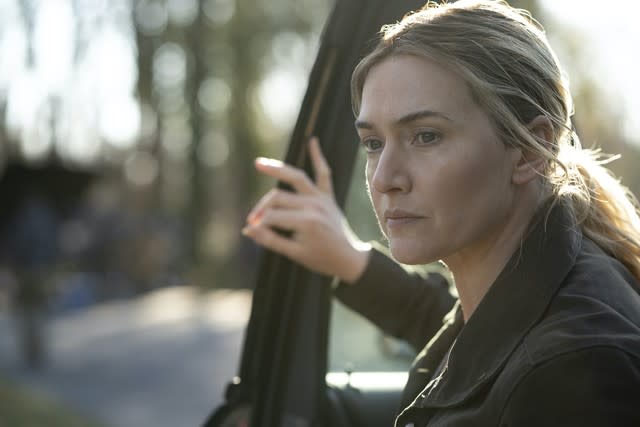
(475, 269)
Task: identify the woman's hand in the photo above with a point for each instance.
(321, 238)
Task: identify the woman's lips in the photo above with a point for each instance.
(398, 218)
(400, 221)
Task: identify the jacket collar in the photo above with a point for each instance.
(513, 305)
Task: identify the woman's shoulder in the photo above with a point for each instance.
(597, 306)
(581, 363)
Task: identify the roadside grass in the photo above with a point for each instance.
(21, 408)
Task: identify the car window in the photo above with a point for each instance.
(354, 343)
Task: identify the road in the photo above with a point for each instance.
(160, 360)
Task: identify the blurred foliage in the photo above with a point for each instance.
(218, 83)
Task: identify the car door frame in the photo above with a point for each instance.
(282, 375)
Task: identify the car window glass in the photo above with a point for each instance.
(354, 343)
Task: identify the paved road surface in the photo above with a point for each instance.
(161, 360)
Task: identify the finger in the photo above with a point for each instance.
(288, 174)
(320, 167)
(259, 207)
(289, 220)
(279, 199)
(265, 236)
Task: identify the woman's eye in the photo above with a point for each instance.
(427, 137)
(372, 144)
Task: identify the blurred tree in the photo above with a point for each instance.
(200, 65)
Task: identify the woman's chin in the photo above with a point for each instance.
(409, 255)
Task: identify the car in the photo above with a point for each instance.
(283, 379)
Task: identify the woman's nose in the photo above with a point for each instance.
(390, 171)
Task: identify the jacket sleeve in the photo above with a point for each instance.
(402, 303)
(596, 387)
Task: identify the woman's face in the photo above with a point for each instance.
(439, 177)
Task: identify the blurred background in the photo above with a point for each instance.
(128, 130)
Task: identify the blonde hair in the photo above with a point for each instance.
(512, 73)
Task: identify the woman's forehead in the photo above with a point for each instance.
(403, 84)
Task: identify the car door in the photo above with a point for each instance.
(282, 380)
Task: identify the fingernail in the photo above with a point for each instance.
(254, 217)
(268, 162)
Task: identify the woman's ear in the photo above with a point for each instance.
(530, 163)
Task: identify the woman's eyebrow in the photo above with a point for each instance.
(407, 118)
(361, 124)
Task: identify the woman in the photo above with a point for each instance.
(465, 117)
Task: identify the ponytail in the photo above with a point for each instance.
(606, 210)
